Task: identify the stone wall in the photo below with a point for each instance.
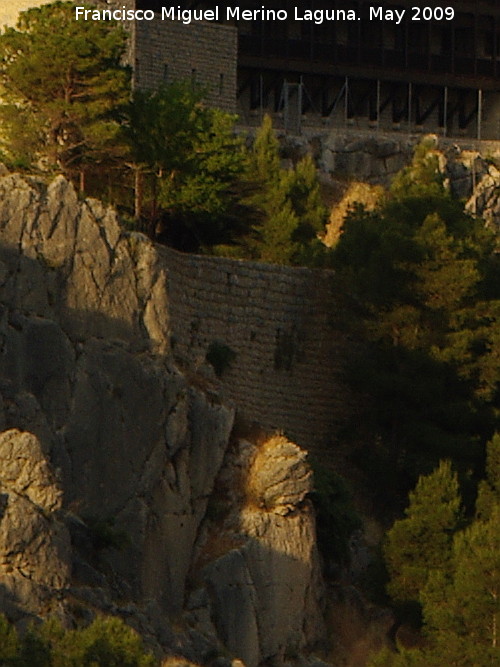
(280, 324)
(205, 53)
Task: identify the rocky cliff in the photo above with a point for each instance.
(116, 468)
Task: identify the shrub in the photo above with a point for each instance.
(107, 642)
(220, 356)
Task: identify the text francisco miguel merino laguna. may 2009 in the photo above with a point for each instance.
(318, 16)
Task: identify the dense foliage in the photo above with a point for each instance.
(422, 540)
(107, 642)
(418, 278)
(451, 570)
(287, 204)
(187, 161)
(62, 87)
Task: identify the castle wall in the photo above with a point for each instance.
(204, 53)
(280, 324)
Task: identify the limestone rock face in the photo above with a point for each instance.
(73, 264)
(279, 477)
(483, 196)
(35, 560)
(85, 369)
(265, 590)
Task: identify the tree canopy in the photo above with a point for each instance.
(416, 279)
(287, 204)
(106, 642)
(63, 85)
(450, 565)
(422, 540)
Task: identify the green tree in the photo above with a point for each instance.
(454, 574)
(63, 83)
(415, 275)
(477, 581)
(190, 158)
(422, 541)
(422, 177)
(289, 209)
(106, 642)
(159, 128)
(265, 165)
(462, 610)
(204, 194)
(488, 496)
(9, 642)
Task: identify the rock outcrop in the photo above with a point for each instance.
(35, 552)
(112, 458)
(84, 366)
(264, 594)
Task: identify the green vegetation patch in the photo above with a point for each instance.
(220, 356)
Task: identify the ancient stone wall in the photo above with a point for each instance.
(204, 53)
(276, 326)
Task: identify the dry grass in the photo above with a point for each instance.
(253, 483)
(177, 661)
(357, 193)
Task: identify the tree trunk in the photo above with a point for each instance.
(138, 194)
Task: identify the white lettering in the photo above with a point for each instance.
(318, 16)
(399, 15)
(395, 15)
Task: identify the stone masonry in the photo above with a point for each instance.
(204, 53)
(280, 324)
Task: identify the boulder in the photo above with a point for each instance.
(35, 552)
(264, 592)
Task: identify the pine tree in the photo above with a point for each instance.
(462, 609)
(422, 541)
(477, 581)
(265, 164)
(288, 203)
(489, 489)
(422, 177)
(416, 276)
(64, 81)
(190, 159)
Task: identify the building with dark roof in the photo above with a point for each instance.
(353, 62)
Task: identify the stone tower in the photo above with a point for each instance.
(205, 53)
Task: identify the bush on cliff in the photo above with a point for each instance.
(106, 642)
